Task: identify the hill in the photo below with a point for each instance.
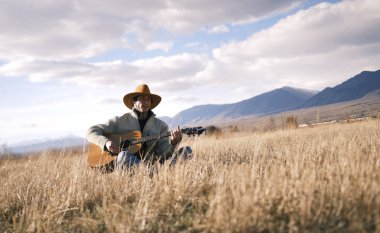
(47, 144)
(284, 99)
(274, 101)
(354, 88)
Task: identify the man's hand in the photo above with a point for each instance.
(112, 146)
(176, 136)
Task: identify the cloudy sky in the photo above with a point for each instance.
(66, 65)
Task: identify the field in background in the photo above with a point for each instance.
(367, 107)
(319, 179)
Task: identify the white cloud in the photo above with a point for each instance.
(174, 72)
(45, 70)
(192, 44)
(313, 48)
(76, 29)
(184, 16)
(163, 71)
(219, 29)
(326, 43)
(165, 46)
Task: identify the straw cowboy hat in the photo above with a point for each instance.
(141, 90)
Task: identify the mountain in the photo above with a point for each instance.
(165, 118)
(197, 113)
(354, 88)
(274, 101)
(32, 146)
(373, 94)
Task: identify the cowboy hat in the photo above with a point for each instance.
(141, 90)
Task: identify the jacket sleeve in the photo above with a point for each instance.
(165, 148)
(95, 134)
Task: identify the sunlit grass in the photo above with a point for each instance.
(322, 179)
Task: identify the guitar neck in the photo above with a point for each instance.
(188, 131)
(149, 138)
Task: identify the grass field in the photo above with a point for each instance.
(320, 179)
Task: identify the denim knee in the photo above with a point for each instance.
(126, 159)
(184, 153)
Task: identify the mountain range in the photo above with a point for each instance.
(362, 88)
(36, 146)
(353, 88)
(279, 100)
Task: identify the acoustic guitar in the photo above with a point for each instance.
(129, 141)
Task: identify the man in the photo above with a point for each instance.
(140, 118)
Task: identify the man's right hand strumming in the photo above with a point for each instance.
(112, 146)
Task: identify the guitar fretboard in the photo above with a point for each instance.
(188, 131)
(148, 138)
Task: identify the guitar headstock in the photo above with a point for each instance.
(193, 131)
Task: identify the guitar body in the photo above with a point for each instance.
(97, 157)
(131, 142)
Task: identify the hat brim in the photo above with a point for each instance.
(156, 99)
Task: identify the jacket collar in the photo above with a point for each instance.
(136, 114)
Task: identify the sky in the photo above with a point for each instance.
(66, 65)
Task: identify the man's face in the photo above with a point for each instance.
(142, 103)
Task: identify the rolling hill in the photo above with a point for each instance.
(354, 88)
(274, 101)
(280, 100)
(47, 144)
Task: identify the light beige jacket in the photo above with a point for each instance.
(129, 122)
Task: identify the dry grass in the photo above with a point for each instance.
(322, 179)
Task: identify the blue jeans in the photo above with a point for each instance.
(184, 153)
(126, 159)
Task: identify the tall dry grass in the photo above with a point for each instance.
(323, 179)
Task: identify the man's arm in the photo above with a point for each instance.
(96, 134)
(166, 146)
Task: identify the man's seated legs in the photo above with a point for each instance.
(126, 160)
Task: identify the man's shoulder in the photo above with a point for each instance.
(127, 115)
(121, 118)
(159, 121)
